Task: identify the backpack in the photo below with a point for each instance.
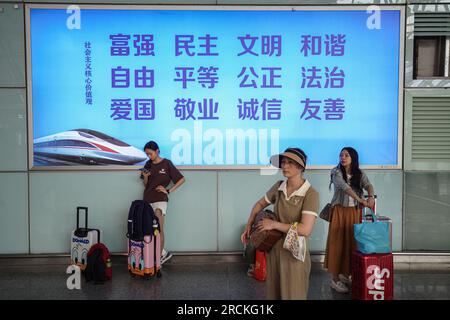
(98, 268)
(140, 220)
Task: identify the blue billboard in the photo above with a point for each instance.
(212, 87)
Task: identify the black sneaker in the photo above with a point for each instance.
(166, 257)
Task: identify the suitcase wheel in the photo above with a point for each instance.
(147, 277)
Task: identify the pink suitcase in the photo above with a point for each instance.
(372, 276)
(144, 257)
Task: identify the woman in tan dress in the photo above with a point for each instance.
(349, 182)
(295, 201)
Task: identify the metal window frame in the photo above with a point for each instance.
(410, 82)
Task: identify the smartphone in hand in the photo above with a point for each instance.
(144, 170)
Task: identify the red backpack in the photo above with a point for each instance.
(98, 266)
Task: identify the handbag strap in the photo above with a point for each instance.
(277, 197)
(371, 213)
(331, 181)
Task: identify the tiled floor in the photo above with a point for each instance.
(191, 278)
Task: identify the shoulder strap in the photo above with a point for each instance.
(147, 221)
(331, 181)
(104, 250)
(277, 197)
(99, 267)
(130, 226)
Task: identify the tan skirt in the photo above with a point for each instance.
(341, 242)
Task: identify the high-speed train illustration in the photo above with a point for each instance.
(86, 146)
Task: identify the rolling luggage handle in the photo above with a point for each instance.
(85, 216)
(82, 232)
(98, 235)
(370, 214)
(375, 206)
(363, 209)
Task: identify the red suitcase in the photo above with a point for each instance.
(372, 276)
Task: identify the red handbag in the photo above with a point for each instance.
(260, 266)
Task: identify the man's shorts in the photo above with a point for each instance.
(161, 205)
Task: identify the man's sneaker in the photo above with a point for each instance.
(345, 280)
(166, 256)
(339, 286)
